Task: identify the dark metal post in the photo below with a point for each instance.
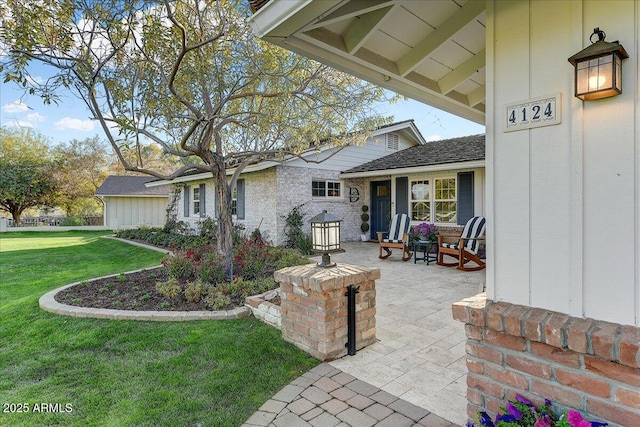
(351, 319)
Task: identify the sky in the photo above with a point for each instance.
(70, 118)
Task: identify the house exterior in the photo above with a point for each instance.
(441, 182)
(266, 192)
(394, 171)
(561, 314)
(129, 203)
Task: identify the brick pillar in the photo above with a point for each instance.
(584, 364)
(314, 307)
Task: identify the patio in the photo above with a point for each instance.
(420, 353)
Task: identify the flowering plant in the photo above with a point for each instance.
(425, 230)
(522, 413)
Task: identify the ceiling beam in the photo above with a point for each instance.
(363, 27)
(440, 35)
(350, 10)
(477, 96)
(467, 69)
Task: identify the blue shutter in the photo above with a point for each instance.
(465, 197)
(186, 190)
(240, 199)
(203, 211)
(402, 195)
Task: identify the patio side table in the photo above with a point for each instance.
(425, 246)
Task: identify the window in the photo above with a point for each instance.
(196, 201)
(234, 201)
(420, 201)
(325, 189)
(445, 200)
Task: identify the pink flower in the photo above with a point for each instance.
(545, 421)
(575, 419)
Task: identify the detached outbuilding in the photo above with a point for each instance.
(128, 203)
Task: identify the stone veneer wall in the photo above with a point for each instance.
(314, 307)
(589, 365)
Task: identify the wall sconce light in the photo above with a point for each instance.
(325, 236)
(598, 68)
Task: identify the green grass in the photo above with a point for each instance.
(123, 373)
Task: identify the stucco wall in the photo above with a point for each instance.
(563, 200)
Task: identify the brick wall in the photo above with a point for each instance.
(314, 307)
(584, 364)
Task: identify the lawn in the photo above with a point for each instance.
(68, 371)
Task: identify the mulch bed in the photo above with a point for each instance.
(133, 291)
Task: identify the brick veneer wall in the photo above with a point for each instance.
(314, 307)
(584, 364)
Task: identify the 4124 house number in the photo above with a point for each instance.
(537, 112)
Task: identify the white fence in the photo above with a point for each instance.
(4, 227)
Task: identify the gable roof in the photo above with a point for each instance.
(408, 127)
(447, 151)
(131, 186)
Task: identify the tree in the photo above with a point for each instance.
(81, 167)
(190, 77)
(26, 168)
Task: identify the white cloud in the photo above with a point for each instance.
(20, 124)
(68, 123)
(36, 117)
(434, 137)
(16, 106)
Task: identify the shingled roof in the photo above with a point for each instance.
(131, 186)
(455, 150)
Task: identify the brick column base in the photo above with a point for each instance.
(314, 307)
(588, 365)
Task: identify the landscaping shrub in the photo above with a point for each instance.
(194, 291)
(210, 269)
(208, 229)
(170, 289)
(180, 266)
(73, 221)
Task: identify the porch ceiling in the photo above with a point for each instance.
(432, 51)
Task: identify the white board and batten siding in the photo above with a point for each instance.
(349, 157)
(563, 200)
(125, 212)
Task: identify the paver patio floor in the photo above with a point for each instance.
(419, 358)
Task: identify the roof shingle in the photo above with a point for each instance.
(455, 150)
(130, 186)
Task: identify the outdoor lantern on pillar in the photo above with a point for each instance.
(325, 236)
(598, 68)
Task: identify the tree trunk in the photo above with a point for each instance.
(224, 244)
(16, 217)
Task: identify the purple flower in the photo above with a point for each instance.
(598, 424)
(544, 421)
(514, 411)
(485, 420)
(507, 418)
(525, 401)
(469, 424)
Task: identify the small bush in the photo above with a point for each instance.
(179, 267)
(211, 270)
(194, 291)
(289, 259)
(169, 289)
(73, 221)
(208, 229)
(217, 300)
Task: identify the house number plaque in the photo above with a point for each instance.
(533, 113)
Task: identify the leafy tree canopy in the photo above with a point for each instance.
(26, 179)
(189, 76)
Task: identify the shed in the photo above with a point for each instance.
(129, 203)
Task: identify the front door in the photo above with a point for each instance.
(380, 206)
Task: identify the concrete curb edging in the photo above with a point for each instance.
(48, 303)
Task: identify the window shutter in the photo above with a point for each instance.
(402, 195)
(203, 211)
(240, 199)
(186, 191)
(465, 197)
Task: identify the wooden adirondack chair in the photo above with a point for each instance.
(466, 249)
(397, 237)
